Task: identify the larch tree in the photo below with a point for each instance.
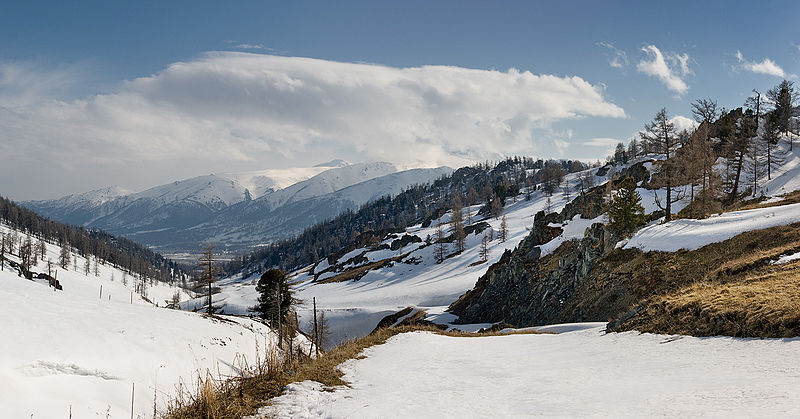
(440, 245)
(64, 256)
(209, 274)
(457, 224)
(503, 229)
(483, 251)
(661, 137)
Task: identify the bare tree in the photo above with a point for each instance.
(440, 246)
(483, 252)
(209, 274)
(705, 110)
(503, 229)
(660, 135)
(457, 224)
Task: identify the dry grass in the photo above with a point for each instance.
(242, 396)
(763, 305)
(357, 273)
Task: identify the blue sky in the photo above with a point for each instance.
(75, 67)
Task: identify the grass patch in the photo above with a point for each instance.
(357, 273)
(764, 305)
(728, 288)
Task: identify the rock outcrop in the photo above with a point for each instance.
(525, 289)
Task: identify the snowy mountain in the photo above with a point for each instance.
(178, 216)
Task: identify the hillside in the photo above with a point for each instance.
(82, 349)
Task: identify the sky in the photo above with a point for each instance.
(137, 94)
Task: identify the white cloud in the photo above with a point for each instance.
(671, 74)
(227, 111)
(767, 66)
(601, 142)
(617, 58)
(249, 46)
(683, 123)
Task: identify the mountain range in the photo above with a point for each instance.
(240, 209)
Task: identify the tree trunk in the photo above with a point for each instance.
(735, 191)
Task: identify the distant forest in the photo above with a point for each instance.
(119, 251)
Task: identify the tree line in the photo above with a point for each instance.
(118, 251)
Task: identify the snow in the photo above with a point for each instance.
(693, 234)
(260, 182)
(572, 230)
(580, 373)
(72, 349)
(787, 258)
(788, 175)
(328, 181)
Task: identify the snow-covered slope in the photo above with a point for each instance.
(73, 350)
(787, 177)
(328, 182)
(583, 373)
(261, 182)
(693, 234)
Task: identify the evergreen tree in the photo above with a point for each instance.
(620, 155)
(626, 212)
(274, 297)
(503, 229)
(782, 97)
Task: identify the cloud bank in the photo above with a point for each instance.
(669, 68)
(226, 110)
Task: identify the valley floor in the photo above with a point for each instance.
(578, 372)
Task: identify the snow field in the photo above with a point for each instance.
(693, 234)
(580, 373)
(72, 349)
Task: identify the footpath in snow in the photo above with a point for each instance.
(580, 373)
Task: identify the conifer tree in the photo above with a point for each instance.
(782, 97)
(209, 274)
(274, 296)
(64, 256)
(503, 229)
(457, 225)
(483, 252)
(440, 246)
(626, 212)
(661, 137)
